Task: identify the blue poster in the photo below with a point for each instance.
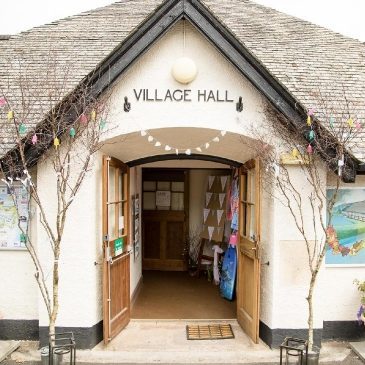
(346, 231)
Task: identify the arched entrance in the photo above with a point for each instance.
(164, 225)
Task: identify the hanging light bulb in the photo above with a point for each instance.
(150, 138)
(199, 149)
(216, 139)
(207, 145)
(143, 133)
(223, 133)
(176, 151)
(188, 151)
(167, 148)
(157, 144)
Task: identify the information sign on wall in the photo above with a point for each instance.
(11, 236)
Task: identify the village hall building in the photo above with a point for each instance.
(187, 80)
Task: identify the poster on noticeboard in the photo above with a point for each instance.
(346, 233)
(11, 236)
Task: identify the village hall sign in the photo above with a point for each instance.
(179, 95)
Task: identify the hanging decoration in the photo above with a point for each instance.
(222, 196)
(10, 115)
(34, 139)
(83, 118)
(22, 129)
(93, 115)
(332, 122)
(102, 124)
(295, 153)
(310, 149)
(224, 182)
(208, 197)
(350, 122)
(210, 181)
(2, 101)
(358, 125)
(309, 120)
(206, 213)
(56, 142)
(311, 135)
(210, 232)
(187, 151)
(72, 132)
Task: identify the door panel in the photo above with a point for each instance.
(165, 218)
(248, 273)
(116, 260)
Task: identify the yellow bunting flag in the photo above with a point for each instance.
(295, 153)
(56, 142)
(10, 115)
(93, 115)
(350, 122)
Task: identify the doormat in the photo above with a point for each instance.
(209, 332)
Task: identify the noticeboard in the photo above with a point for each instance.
(14, 216)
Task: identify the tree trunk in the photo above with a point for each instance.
(310, 309)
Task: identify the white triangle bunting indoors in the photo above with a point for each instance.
(219, 216)
(210, 181)
(222, 196)
(224, 182)
(206, 213)
(208, 197)
(210, 232)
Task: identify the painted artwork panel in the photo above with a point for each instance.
(346, 233)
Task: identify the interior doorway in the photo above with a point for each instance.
(173, 202)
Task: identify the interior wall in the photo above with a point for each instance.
(135, 187)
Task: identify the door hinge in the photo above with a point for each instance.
(106, 238)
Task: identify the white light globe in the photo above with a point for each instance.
(184, 70)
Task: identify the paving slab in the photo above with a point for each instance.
(359, 349)
(7, 347)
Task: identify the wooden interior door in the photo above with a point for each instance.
(116, 273)
(248, 272)
(165, 221)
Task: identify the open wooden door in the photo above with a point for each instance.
(248, 272)
(116, 297)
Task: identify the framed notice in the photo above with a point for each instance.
(136, 223)
(163, 198)
(13, 220)
(346, 233)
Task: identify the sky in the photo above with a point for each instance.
(346, 17)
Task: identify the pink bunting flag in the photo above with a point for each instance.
(2, 101)
(34, 139)
(83, 118)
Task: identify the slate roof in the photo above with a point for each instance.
(305, 58)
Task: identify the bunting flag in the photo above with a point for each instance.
(219, 229)
(208, 197)
(206, 213)
(222, 196)
(219, 216)
(210, 232)
(210, 181)
(224, 182)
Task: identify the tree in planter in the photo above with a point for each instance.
(44, 126)
(316, 148)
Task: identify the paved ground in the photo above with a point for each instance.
(352, 359)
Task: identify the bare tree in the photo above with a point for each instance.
(318, 146)
(43, 121)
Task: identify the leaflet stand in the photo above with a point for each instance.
(61, 344)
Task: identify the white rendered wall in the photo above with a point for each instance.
(290, 263)
(79, 286)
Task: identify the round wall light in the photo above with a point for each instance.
(184, 70)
